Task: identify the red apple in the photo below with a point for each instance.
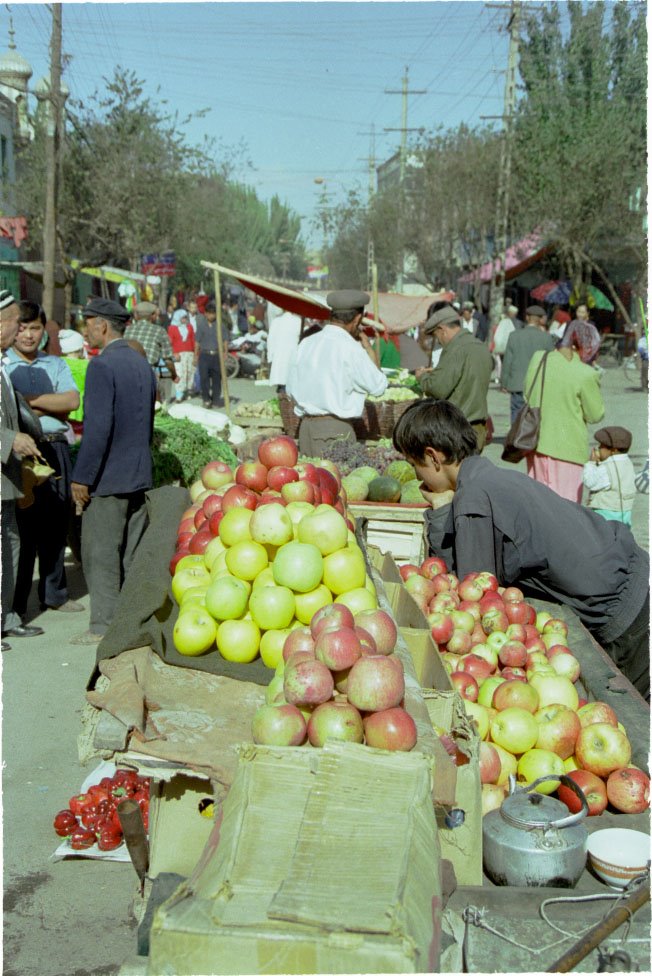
(278, 450)
(487, 581)
(440, 583)
(391, 728)
(200, 518)
(535, 644)
(336, 720)
(441, 626)
(472, 607)
(328, 481)
(566, 664)
(494, 619)
(408, 569)
(308, 472)
(419, 585)
(593, 788)
(555, 626)
(465, 684)
(489, 763)
(443, 602)
(376, 683)
(239, 496)
(215, 474)
(478, 666)
(513, 674)
(183, 539)
(381, 626)
(279, 476)
(298, 491)
(299, 639)
(200, 540)
(628, 790)
(432, 566)
(513, 654)
(179, 554)
(268, 496)
(463, 620)
(459, 642)
(331, 616)
(338, 648)
(251, 474)
(470, 589)
(478, 635)
(512, 594)
(214, 522)
(367, 643)
(516, 632)
(490, 600)
(211, 505)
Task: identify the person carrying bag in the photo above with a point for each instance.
(523, 436)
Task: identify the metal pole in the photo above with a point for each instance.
(220, 343)
(51, 165)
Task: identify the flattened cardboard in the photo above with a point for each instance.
(426, 658)
(177, 831)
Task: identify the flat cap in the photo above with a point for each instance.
(468, 306)
(618, 438)
(104, 308)
(536, 310)
(144, 308)
(340, 301)
(6, 299)
(444, 316)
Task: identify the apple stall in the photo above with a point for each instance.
(273, 682)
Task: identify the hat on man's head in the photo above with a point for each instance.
(70, 341)
(444, 316)
(536, 310)
(104, 308)
(342, 301)
(616, 438)
(145, 308)
(6, 298)
(468, 306)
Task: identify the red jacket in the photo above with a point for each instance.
(179, 344)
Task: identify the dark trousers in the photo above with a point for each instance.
(210, 378)
(43, 529)
(631, 651)
(10, 557)
(516, 401)
(112, 527)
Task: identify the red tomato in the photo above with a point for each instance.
(109, 839)
(97, 792)
(106, 783)
(81, 839)
(64, 823)
(88, 814)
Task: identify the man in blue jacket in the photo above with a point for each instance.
(114, 465)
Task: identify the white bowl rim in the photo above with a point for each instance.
(603, 844)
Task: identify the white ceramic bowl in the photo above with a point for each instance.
(617, 854)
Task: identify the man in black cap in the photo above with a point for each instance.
(114, 465)
(144, 328)
(521, 345)
(332, 373)
(463, 372)
(14, 446)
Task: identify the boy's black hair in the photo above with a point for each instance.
(31, 312)
(438, 424)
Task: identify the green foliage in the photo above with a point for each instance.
(181, 448)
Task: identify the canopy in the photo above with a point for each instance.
(285, 298)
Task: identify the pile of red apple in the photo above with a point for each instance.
(340, 680)
(252, 566)
(516, 674)
(277, 476)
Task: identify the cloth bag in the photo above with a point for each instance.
(523, 436)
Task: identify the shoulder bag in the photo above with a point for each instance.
(523, 436)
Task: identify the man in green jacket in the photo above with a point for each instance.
(463, 372)
(521, 346)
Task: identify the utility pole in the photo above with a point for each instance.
(371, 159)
(497, 282)
(52, 165)
(404, 91)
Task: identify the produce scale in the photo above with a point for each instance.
(374, 766)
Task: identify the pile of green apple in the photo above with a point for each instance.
(253, 563)
(516, 675)
(338, 679)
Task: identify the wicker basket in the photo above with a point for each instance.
(377, 421)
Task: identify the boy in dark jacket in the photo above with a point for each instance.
(528, 536)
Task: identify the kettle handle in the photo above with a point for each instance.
(573, 818)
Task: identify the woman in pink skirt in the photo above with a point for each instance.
(571, 400)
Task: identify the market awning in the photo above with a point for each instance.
(285, 298)
(116, 275)
(518, 258)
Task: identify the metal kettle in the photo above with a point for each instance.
(532, 841)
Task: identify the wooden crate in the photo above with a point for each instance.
(397, 529)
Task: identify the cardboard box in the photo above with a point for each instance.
(460, 824)
(177, 831)
(404, 608)
(427, 661)
(325, 861)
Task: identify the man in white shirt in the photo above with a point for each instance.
(282, 342)
(332, 373)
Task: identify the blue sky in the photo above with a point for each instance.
(298, 84)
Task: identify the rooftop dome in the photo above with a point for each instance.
(15, 71)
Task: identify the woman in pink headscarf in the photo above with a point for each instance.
(571, 400)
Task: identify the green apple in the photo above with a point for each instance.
(540, 762)
(227, 598)
(272, 607)
(514, 729)
(186, 579)
(194, 632)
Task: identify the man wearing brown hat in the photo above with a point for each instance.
(609, 475)
(521, 345)
(463, 372)
(332, 373)
(144, 328)
(114, 465)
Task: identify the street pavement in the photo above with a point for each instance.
(74, 917)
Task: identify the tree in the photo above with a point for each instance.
(580, 136)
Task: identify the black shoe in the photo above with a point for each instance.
(6, 646)
(207, 404)
(24, 630)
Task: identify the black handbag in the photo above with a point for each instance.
(523, 436)
(28, 421)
